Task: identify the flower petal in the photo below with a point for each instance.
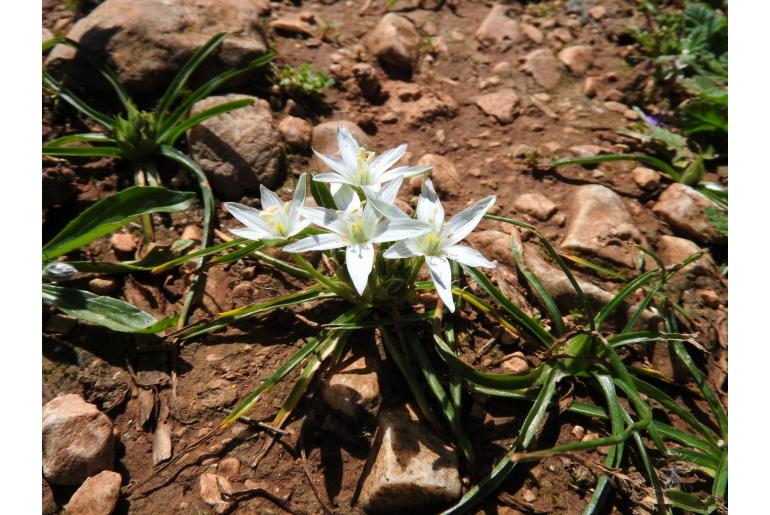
(384, 161)
(248, 216)
(348, 146)
(441, 274)
(359, 259)
(338, 166)
(389, 192)
(402, 249)
(322, 217)
(399, 229)
(429, 208)
(317, 242)
(300, 192)
(251, 233)
(298, 227)
(386, 209)
(467, 256)
(461, 224)
(343, 196)
(334, 178)
(404, 171)
(269, 199)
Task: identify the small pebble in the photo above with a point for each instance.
(529, 495)
(122, 242)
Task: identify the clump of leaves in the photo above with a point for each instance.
(143, 137)
(375, 251)
(302, 82)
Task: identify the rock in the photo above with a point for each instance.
(395, 41)
(536, 205)
(615, 107)
(498, 28)
(49, 506)
(590, 87)
(673, 250)
(367, 80)
(602, 227)
(502, 69)
(544, 67)
(533, 33)
(229, 468)
(578, 432)
(353, 389)
(147, 41)
(295, 23)
(499, 104)
(296, 132)
(495, 245)
(443, 174)
(211, 494)
(515, 364)
(409, 468)
(684, 209)
(192, 232)
(122, 242)
(529, 495)
(238, 150)
(97, 496)
(417, 104)
(577, 58)
(597, 12)
(586, 150)
(78, 441)
(103, 285)
(646, 178)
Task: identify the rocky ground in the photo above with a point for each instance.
(485, 93)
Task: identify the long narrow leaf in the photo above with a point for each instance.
(58, 151)
(204, 115)
(109, 312)
(112, 212)
(75, 101)
(642, 158)
(87, 137)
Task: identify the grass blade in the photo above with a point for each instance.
(75, 101)
(86, 137)
(112, 212)
(641, 158)
(58, 151)
(184, 74)
(204, 115)
(609, 308)
(109, 312)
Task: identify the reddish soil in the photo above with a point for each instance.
(214, 372)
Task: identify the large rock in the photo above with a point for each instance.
(395, 41)
(296, 132)
(147, 41)
(684, 209)
(443, 174)
(499, 104)
(78, 441)
(601, 227)
(416, 104)
(499, 28)
(97, 496)
(410, 468)
(577, 58)
(544, 67)
(354, 388)
(673, 250)
(238, 150)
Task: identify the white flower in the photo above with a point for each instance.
(359, 167)
(440, 243)
(357, 229)
(277, 220)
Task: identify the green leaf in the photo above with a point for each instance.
(718, 219)
(641, 158)
(322, 194)
(700, 116)
(184, 74)
(88, 137)
(105, 311)
(204, 115)
(82, 151)
(112, 212)
(690, 502)
(76, 102)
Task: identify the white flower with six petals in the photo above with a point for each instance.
(358, 167)
(277, 220)
(357, 229)
(440, 244)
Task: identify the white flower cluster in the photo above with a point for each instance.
(364, 188)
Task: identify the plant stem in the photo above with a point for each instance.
(325, 281)
(140, 179)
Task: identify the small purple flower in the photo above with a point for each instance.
(651, 120)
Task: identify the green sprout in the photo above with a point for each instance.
(144, 137)
(302, 83)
